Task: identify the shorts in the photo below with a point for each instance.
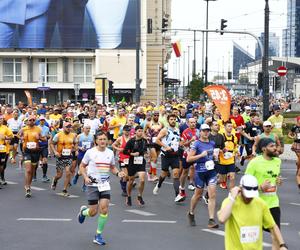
(167, 162)
(185, 164)
(123, 165)
(207, 178)
(133, 169)
(3, 159)
(62, 163)
(44, 152)
(32, 157)
(248, 148)
(225, 169)
(14, 140)
(93, 195)
(275, 211)
(74, 157)
(155, 146)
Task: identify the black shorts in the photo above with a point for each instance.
(248, 148)
(3, 159)
(74, 157)
(225, 169)
(133, 169)
(276, 214)
(14, 140)
(93, 195)
(155, 146)
(32, 157)
(44, 152)
(169, 161)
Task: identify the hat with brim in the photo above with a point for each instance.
(249, 186)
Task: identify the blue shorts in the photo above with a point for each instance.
(205, 178)
(225, 169)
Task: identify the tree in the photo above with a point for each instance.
(195, 88)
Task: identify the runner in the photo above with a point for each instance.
(117, 123)
(93, 122)
(15, 124)
(95, 167)
(136, 148)
(63, 144)
(202, 152)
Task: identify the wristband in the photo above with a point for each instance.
(230, 197)
(283, 245)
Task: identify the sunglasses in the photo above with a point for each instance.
(250, 188)
(155, 115)
(31, 120)
(269, 126)
(69, 126)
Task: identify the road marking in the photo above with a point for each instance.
(222, 233)
(151, 221)
(43, 219)
(70, 196)
(284, 224)
(139, 212)
(169, 183)
(295, 204)
(111, 204)
(37, 188)
(11, 183)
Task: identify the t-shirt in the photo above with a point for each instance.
(118, 121)
(54, 117)
(263, 170)
(99, 163)
(199, 147)
(252, 130)
(230, 143)
(14, 125)
(187, 135)
(244, 232)
(4, 144)
(277, 124)
(296, 130)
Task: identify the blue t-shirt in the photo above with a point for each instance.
(45, 132)
(199, 147)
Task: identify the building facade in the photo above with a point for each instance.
(274, 46)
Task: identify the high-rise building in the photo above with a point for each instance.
(240, 59)
(291, 35)
(273, 45)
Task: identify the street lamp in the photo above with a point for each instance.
(206, 51)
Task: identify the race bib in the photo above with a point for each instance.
(298, 136)
(66, 152)
(175, 145)
(210, 165)
(270, 191)
(249, 234)
(138, 160)
(103, 186)
(228, 155)
(126, 161)
(2, 147)
(31, 145)
(86, 144)
(277, 124)
(92, 131)
(154, 139)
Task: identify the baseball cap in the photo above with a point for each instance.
(204, 127)
(42, 117)
(189, 115)
(66, 124)
(276, 107)
(31, 117)
(127, 128)
(267, 123)
(249, 186)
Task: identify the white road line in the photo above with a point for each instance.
(43, 219)
(70, 196)
(11, 183)
(111, 204)
(295, 204)
(37, 188)
(169, 183)
(222, 233)
(284, 224)
(151, 221)
(139, 212)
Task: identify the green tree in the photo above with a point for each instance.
(196, 88)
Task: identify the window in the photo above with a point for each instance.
(83, 70)
(48, 70)
(12, 69)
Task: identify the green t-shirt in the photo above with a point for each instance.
(263, 170)
(277, 124)
(246, 117)
(244, 232)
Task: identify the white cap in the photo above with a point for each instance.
(204, 127)
(249, 186)
(267, 123)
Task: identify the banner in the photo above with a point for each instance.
(29, 97)
(177, 48)
(221, 98)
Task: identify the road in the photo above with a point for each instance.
(48, 221)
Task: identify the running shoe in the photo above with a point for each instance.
(3, 182)
(128, 201)
(45, 179)
(140, 201)
(149, 177)
(205, 199)
(65, 193)
(99, 240)
(80, 216)
(75, 179)
(191, 218)
(223, 185)
(180, 197)
(212, 224)
(83, 188)
(155, 189)
(28, 193)
(237, 169)
(53, 184)
(191, 187)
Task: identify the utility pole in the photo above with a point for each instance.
(189, 65)
(137, 60)
(194, 61)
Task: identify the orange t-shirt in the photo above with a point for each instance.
(65, 142)
(31, 137)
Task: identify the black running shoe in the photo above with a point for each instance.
(212, 224)
(192, 219)
(242, 162)
(28, 193)
(140, 201)
(128, 201)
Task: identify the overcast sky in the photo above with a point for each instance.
(245, 15)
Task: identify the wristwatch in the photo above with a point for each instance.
(283, 245)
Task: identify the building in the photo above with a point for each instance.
(240, 59)
(291, 35)
(68, 60)
(273, 45)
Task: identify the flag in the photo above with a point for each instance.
(221, 98)
(177, 48)
(29, 97)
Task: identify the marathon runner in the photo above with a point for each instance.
(15, 124)
(295, 134)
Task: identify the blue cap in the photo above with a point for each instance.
(189, 115)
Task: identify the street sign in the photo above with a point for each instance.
(43, 88)
(282, 71)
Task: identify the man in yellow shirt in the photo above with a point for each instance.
(244, 232)
(55, 116)
(117, 123)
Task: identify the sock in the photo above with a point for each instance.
(176, 184)
(123, 185)
(160, 181)
(45, 167)
(86, 212)
(102, 219)
(154, 166)
(182, 190)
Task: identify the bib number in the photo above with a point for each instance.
(31, 145)
(86, 144)
(298, 136)
(228, 155)
(154, 139)
(210, 165)
(138, 160)
(2, 147)
(175, 145)
(66, 152)
(126, 161)
(249, 234)
(277, 125)
(103, 186)
(270, 191)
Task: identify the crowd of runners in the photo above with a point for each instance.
(186, 141)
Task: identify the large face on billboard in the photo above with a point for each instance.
(78, 24)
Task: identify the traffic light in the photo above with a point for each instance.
(223, 25)
(110, 88)
(164, 75)
(260, 80)
(229, 75)
(277, 83)
(164, 24)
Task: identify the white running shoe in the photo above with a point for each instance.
(179, 198)
(155, 189)
(191, 187)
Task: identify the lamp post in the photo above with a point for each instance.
(206, 48)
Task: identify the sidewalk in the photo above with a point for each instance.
(288, 153)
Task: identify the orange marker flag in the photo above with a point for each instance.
(221, 98)
(177, 48)
(29, 97)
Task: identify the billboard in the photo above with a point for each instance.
(73, 24)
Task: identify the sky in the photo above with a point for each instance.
(242, 15)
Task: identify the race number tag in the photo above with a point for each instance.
(31, 145)
(154, 139)
(277, 124)
(298, 136)
(175, 145)
(249, 234)
(66, 152)
(138, 160)
(210, 165)
(86, 144)
(92, 131)
(270, 191)
(228, 155)
(126, 161)
(103, 186)
(2, 147)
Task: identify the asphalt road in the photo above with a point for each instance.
(49, 221)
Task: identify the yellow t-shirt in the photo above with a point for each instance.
(64, 141)
(277, 124)
(54, 117)
(118, 121)
(243, 229)
(231, 143)
(4, 145)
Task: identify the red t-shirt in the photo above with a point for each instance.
(239, 121)
(187, 135)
